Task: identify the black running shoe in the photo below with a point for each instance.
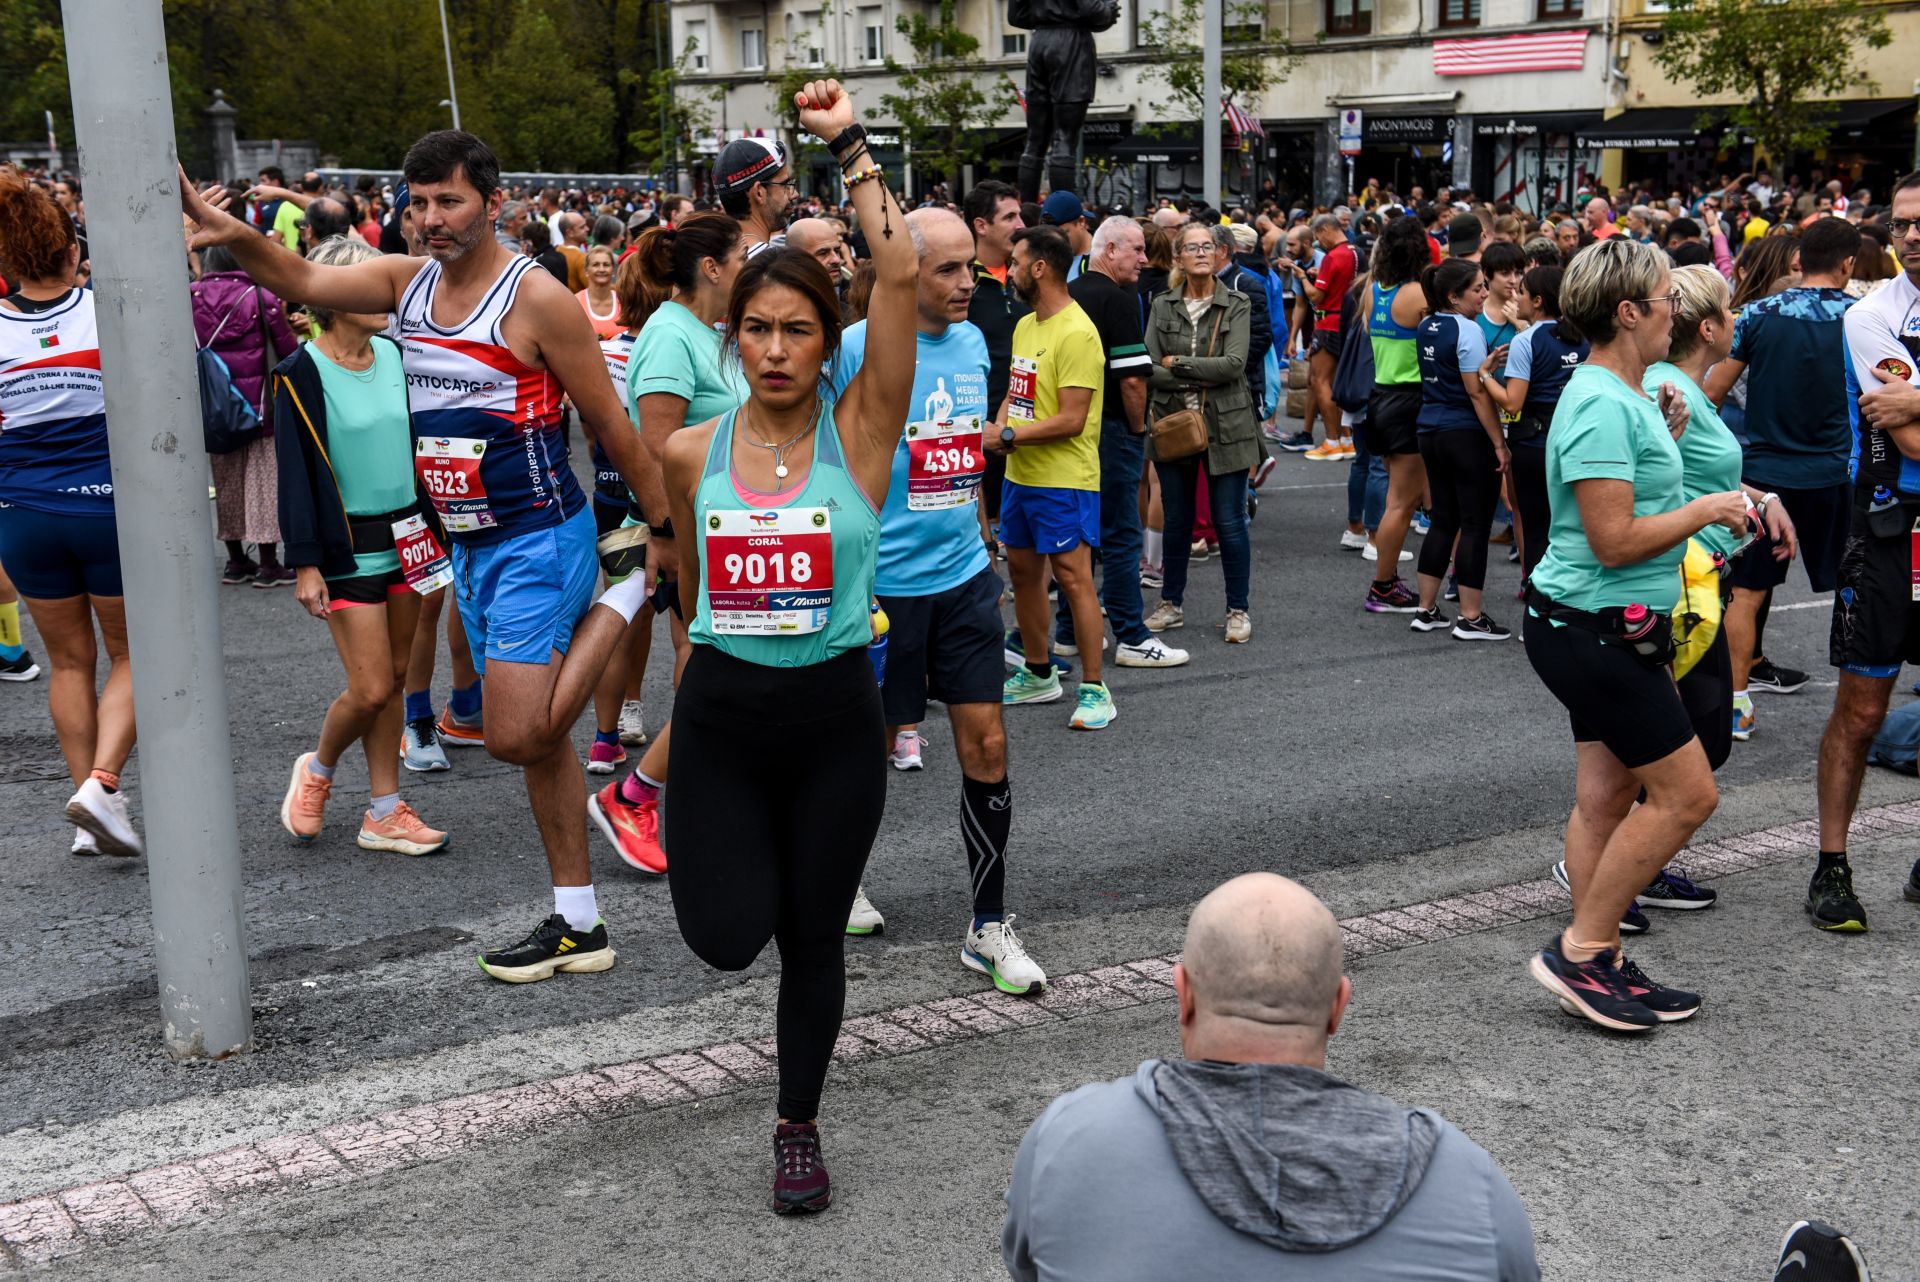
(1816, 1252)
(552, 946)
(1673, 890)
(1911, 890)
(1429, 620)
(20, 669)
(1596, 989)
(1633, 921)
(1765, 675)
(800, 1181)
(1669, 1004)
(1480, 629)
(1831, 901)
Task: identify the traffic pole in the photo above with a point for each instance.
(1210, 105)
(123, 125)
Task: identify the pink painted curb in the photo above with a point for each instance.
(38, 1229)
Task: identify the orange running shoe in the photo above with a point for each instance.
(303, 810)
(1326, 452)
(401, 832)
(461, 734)
(633, 830)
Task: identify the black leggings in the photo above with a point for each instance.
(779, 780)
(1530, 490)
(1707, 692)
(1463, 478)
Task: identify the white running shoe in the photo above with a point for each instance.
(1354, 542)
(995, 951)
(906, 750)
(1151, 653)
(105, 815)
(1373, 553)
(864, 918)
(1070, 648)
(633, 728)
(83, 843)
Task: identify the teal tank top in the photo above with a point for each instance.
(1395, 359)
(785, 586)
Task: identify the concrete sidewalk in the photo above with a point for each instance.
(1680, 1155)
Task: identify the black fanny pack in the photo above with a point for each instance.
(375, 533)
(1528, 427)
(1654, 647)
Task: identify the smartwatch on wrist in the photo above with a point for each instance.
(664, 530)
(1006, 437)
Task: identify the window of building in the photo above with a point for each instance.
(697, 44)
(1551, 9)
(1349, 17)
(812, 42)
(753, 49)
(1013, 44)
(873, 35)
(1461, 13)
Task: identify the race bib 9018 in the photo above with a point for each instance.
(768, 573)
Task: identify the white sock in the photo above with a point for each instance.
(385, 805)
(1156, 541)
(626, 596)
(576, 904)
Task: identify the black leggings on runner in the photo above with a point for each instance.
(1707, 692)
(779, 780)
(1530, 489)
(1464, 482)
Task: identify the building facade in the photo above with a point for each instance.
(1526, 100)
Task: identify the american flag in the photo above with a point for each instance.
(1545, 51)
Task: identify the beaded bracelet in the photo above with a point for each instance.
(865, 175)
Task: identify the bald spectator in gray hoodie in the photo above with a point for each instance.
(1247, 1158)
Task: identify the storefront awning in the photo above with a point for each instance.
(1864, 113)
(1649, 129)
(1520, 126)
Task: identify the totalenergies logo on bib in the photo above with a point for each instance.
(763, 519)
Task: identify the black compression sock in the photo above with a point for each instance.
(986, 821)
(1040, 669)
(1830, 859)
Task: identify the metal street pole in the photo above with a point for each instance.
(453, 98)
(123, 127)
(1210, 41)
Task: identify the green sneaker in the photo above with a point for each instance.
(1095, 710)
(1023, 687)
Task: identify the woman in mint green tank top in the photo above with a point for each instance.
(779, 758)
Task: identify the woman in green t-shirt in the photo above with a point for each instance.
(1595, 628)
(348, 505)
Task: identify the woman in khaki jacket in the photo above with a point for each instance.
(1197, 337)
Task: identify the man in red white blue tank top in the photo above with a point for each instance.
(490, 348)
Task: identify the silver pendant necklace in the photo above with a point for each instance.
(780, 450)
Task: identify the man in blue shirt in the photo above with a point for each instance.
(936, 583)
(1799, 437)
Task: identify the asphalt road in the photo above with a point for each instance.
(1338, 747)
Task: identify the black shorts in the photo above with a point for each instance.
(1876, 621)
(1329, 341)
(1821, 519)
(607, 516)
(946, 646)
(1611, 697)
(1393, 413)
(366, 589)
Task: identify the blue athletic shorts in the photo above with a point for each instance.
(1048, 520)
(51, 556)
(521, 598)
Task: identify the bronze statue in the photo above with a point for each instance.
(1060, 74)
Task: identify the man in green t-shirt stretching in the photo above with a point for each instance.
(1049, 429)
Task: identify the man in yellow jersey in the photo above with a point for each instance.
(1049, 428)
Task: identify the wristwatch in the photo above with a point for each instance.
(1006, 437)
(664, 530)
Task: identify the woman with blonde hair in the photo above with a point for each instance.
(1597, 630)
(598, 298)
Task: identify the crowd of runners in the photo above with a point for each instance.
(838, 451)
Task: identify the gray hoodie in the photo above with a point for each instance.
(1200, 1170)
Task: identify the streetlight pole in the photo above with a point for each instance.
(123, 127)
(1210, 37)
(446, 39)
